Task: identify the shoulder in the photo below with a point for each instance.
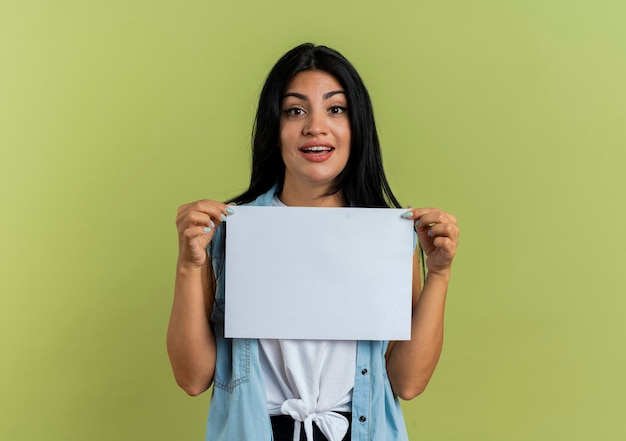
(264, 199)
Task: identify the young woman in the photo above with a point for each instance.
(314, 144)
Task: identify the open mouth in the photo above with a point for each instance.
(316, 149)
(314, 152)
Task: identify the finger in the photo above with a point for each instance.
(199, 205)
(217, 210)
(182, 209)
(199, 232)
(204, 206)
(193, 219)
(203, 212)
(447, 245)
(200, 219)
(193, 244)
(418, 213)
(444, 230)
(431, 218)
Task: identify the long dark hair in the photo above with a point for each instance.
(362, 182)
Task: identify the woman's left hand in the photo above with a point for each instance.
(438, 235)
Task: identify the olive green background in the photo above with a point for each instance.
(509, 114)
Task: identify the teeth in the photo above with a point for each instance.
(317, 149)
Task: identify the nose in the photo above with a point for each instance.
(315, 124)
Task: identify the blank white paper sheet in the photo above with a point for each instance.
(318, 273)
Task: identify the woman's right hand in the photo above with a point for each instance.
(196, 223)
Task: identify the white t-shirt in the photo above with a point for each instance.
(310, 380)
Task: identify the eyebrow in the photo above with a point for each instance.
(305, 98)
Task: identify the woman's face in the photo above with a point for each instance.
(314, 129)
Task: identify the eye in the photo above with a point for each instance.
(294, 111)
(337, 110)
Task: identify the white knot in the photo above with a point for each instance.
(333, 425)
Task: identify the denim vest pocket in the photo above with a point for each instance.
(232, 366)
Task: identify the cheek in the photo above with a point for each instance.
(341, 126)
(285, 152)
(348, 136)
(285, 134)
(282, 150)
(345, 134)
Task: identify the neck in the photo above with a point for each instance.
(294, 195)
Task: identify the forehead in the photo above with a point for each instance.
(313, 81)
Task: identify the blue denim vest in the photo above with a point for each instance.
(238, 409)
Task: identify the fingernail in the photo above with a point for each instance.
(417, 223)
(430, 232)
(223, 217)
(230, 210)
(407, 214)
(207, 229)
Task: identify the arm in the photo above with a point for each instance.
(190, 339)
(411, 363)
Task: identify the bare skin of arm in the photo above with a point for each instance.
(190, 339)
(411, 363)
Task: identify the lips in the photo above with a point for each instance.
(316, 152)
